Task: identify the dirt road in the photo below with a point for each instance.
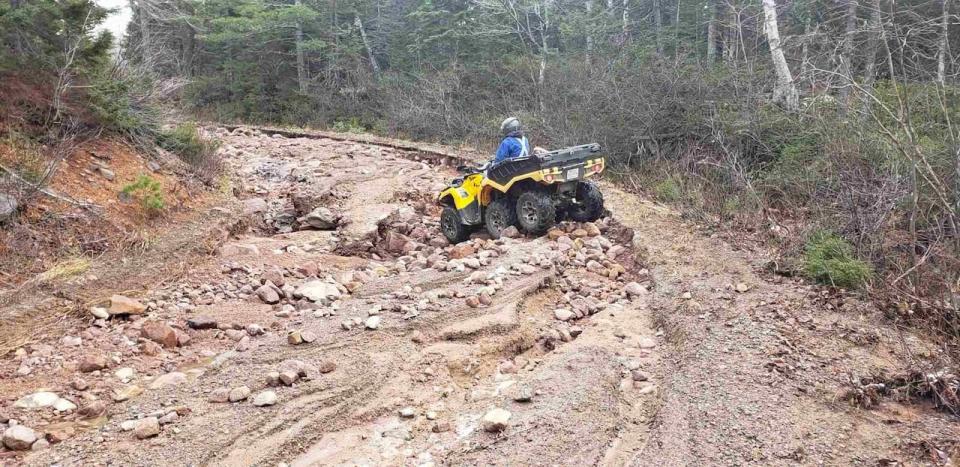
(338, 329)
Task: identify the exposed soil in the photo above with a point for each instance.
(707, 360)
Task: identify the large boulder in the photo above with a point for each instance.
(253, 206)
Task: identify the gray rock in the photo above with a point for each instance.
(254, 206)
(147, 428)
(319, 291)
(239, 394)
(563, 314)
(268, 294)
(372, 322)
(496, 420)
(323, 219)
(19, 438)
(8, 206)
(37, 400)
(265, 398)
(202, 322)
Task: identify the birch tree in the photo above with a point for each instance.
(785, 90)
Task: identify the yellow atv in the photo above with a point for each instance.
(532, 192)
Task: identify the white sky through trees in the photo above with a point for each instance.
(116, 23)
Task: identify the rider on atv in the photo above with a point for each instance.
(514, 143)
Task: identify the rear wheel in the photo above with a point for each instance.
(536, 212)
(500, 215)
(588, 204)
(451, 226)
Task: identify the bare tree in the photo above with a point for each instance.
(366, 44)
(943, 43)
(785, 90)
(301, 59)
(846, 57)
(658, 26)
(588, 5)
(712, 32)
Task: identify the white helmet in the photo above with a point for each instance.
(509, 126)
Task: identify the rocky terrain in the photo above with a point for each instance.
(335, 326)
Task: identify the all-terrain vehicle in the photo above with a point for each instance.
(532, 192)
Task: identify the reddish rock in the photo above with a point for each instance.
(160, 333)
(461, 251)
(395, 242)
(93, 363)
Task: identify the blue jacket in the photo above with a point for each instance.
(513, 146)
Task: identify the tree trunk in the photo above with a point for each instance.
(301, 59)
(589, 7)
(785, 90)
(712, 33)
(846, 57)
(805, 51)
(875, 35)
(944, 43)
(366, 44)
(658, 26)
(146, 45)
(626, 19)
(544, 32)
(189, 47)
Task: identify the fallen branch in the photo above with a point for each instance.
(49, 192)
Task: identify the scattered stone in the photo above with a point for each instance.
(521, 393)
(37, 400)
(239, 394)
(169, 418)
(147, 428)
(319, 291)
(254, 206)
(308, 336)
(79, 384)
(441, 426)
(71, 341)
(510, 232)
(160, 333)
(496, 420)
(202, 322)
(94, 409)
(99, 312)
(220, 395)
(485, 299)
(592, 229)
(634, 289)
(40, 445)
(461, 251)
(563, 314)
(254, 330)
(326, 366)
(473, 301)
(323, 219)
(372, 322)
(124, 374)
(268, 294)
(64, 405)
(294, 338)
(150, 348)
(741, 287)
(91, 363)
(686, 296)
(265, 398)
(408, 412)
(122, 305)
(288, 377)
(127, 393)
(638, 375)
(174, 378)
(19, 438)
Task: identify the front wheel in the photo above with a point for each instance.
(588, 204)
(536, 212)
(500, 215)
(451, 226)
